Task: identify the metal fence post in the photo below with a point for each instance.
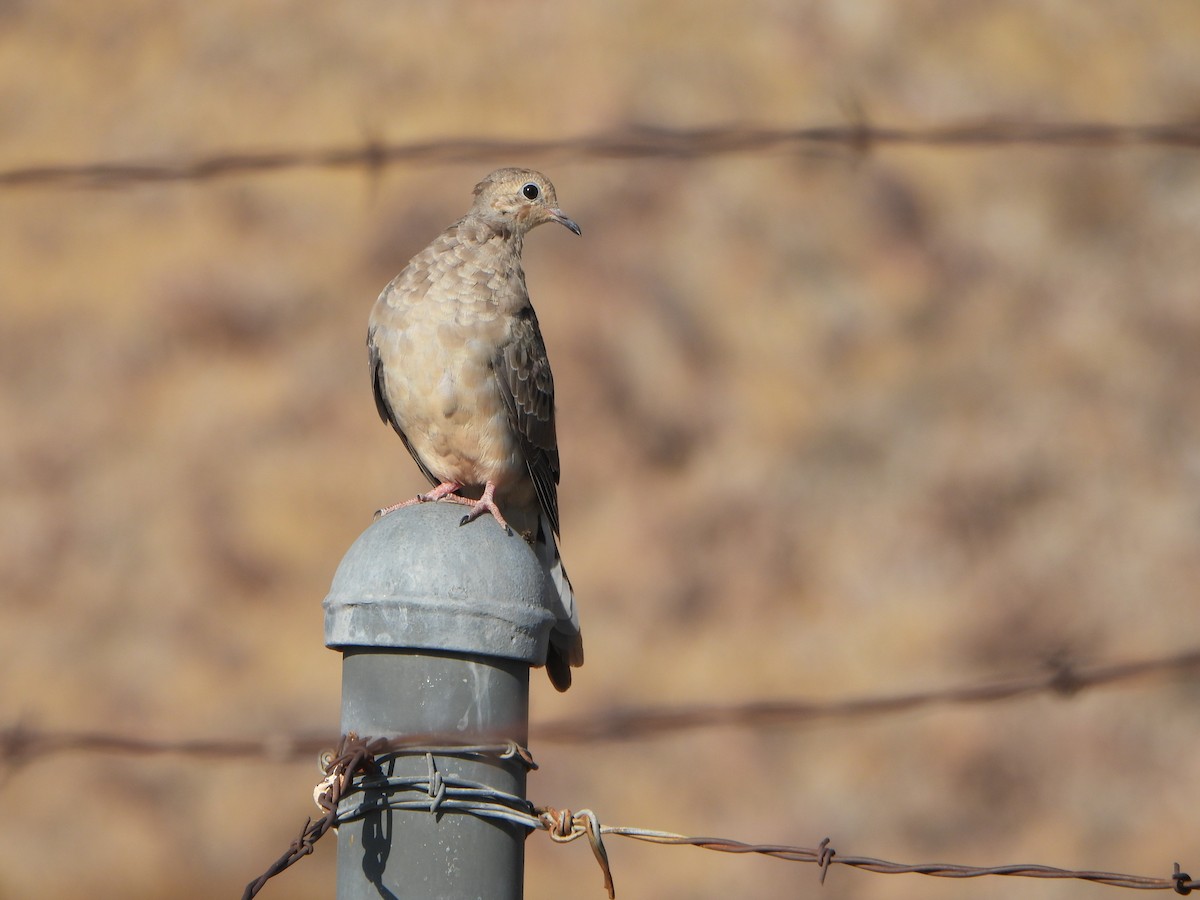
(438, 625)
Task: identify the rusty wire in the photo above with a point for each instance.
(20, 744)
(373, 156)
(354, 756)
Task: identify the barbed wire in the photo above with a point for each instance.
(1060, 678)
(630, 143)
(20, 744)
(435, 792)
(565, 826)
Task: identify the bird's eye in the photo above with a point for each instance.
(530, 191)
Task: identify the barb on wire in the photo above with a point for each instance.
(20, 744)
(563, 826)
(373, 156)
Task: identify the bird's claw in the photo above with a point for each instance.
(479, 509)
(485, 504)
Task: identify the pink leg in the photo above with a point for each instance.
(444, 490)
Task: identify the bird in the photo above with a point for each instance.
(459, 370)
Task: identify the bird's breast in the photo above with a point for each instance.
(442, 387)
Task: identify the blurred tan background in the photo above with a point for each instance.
(831, 424)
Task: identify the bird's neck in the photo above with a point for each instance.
(499, 237)
(491, 246)
(493, 252)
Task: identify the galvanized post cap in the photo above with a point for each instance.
(416, 579)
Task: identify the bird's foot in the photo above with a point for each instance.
(485, 504)
(444, 490)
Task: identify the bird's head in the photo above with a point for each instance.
(518, 199)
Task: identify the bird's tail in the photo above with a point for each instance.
(566, 640)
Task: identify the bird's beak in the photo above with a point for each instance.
(561, 218)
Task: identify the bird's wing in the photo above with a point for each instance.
(379, 387)
(523, 376)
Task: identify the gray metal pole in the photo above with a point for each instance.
(438, 625)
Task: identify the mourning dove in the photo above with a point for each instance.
(460, 371)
